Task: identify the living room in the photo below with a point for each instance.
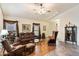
(29, 21)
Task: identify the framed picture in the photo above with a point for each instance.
(44, 28)
(26, 27)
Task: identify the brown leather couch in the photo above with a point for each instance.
(12, 50)
(25, 38)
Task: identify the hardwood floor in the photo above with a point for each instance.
(65, 49)
(61, 49)
(42, 48)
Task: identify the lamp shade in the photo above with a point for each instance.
(4, 32)
(0, 39)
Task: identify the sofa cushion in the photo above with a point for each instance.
(30, 45)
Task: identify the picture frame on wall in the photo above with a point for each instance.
(44, 28)
(26, 27)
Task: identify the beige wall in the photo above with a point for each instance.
(49, 25)
(1, 20)
(71, 15)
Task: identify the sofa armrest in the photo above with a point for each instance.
(17, 47)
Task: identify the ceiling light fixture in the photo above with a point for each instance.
(42, 9)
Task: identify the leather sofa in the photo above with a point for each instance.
(25, 38)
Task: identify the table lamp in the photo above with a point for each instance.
(4, 33)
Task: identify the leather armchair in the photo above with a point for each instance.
(13, 50)
(52, 39)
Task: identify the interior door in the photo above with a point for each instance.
(36, 30)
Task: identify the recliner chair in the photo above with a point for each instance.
(13, 51)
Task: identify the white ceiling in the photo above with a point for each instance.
(26, 10)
